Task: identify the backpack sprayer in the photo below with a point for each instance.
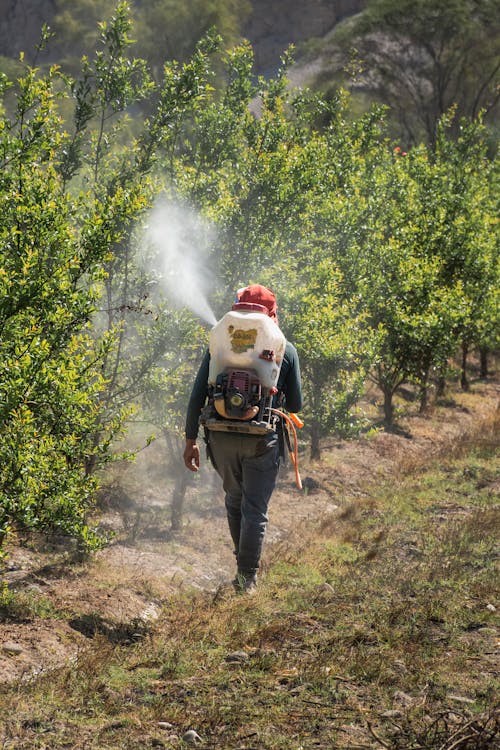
(246, 351)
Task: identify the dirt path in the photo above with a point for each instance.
(125, 584)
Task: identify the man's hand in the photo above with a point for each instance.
(191, 455)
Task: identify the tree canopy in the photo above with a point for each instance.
(385, 262)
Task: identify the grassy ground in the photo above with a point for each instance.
(374, 629)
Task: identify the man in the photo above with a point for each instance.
(248, 464)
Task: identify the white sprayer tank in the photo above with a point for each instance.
(247, 339)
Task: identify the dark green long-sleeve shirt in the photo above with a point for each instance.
(288, 384)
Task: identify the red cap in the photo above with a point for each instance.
(259, 295)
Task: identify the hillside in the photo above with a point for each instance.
(271, 26)
(274, 25)
(374, 625)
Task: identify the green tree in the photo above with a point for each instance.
(469, 247)
(248, 171)
(425, 264)
(379, 235)
(421, 58)
(326, 317)
(117, 159)
(70, 202)
(335, 348)
(400, 280)
(50, 380)
(166, 390)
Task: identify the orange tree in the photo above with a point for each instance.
(466, 180)
(71, 195)
(400, 276)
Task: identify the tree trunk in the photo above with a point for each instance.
(388, 406)
(441, 386)
(178, 497)
(463, 379)
(424, 392)
(315, 454)
(483, 354)
(176, 467)
(424, 398)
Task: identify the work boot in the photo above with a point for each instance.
(245, 582)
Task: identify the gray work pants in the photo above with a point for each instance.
(248, 466)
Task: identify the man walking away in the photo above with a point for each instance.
(247, 463)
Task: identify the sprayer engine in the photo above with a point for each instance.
(237, 394)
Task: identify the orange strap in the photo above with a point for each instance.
(293, 454)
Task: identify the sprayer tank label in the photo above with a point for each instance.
(242, 340)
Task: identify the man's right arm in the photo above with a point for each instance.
(191, 455)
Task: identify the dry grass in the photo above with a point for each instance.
(376, 628)
(375, 625)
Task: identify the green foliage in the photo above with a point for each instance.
(48, 383)
(247, 172)
(116, 158)
(69, 203)
(408, 216)
(336, 351)
(469, 246)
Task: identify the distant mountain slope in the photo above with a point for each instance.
(271, 27)
(275, 24)
(21, 22)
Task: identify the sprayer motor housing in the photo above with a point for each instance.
(240, 391)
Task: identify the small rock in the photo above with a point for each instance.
(391, 714)
(150, 613)
(191, 737)
(491, 608)
(460, 699)
(165, 725)
(403, 698)
(12, 648)
(35, 588)
(157, 743)
(237, 656)
(325, 587)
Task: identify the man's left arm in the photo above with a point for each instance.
(292, 386)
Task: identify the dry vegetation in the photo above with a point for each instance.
(375, 625)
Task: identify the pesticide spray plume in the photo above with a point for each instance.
(176, 242)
